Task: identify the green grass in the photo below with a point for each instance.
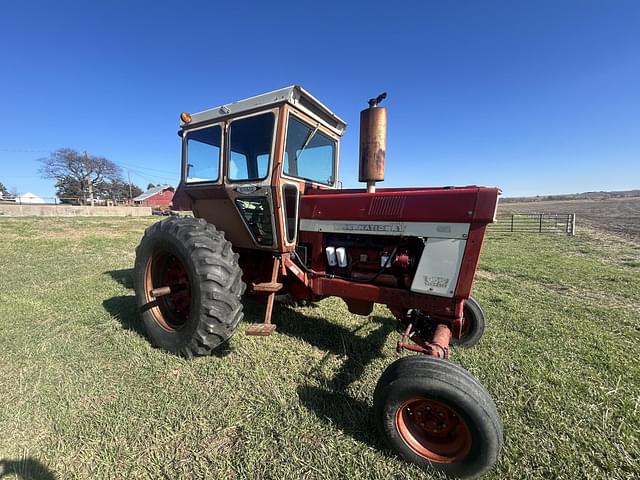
(84, 395)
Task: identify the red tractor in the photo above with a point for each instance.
(261, 178)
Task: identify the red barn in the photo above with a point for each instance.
(160, 196)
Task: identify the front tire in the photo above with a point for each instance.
(435, 414)
(203, 309)
(474, 323)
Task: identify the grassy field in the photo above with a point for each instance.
(84, 396)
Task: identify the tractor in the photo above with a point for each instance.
(270, 219)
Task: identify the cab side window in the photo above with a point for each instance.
(250, 141)
(203, 155)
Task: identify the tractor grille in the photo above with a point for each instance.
(386, 206)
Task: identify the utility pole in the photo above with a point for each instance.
(86, 160)
(130, 194)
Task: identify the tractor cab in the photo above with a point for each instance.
(246, 164)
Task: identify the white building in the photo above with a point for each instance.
(29, 198)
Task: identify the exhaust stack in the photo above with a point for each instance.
(373, 143)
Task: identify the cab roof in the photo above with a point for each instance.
(295, 95)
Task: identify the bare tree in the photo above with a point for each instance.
(86, 170)
(4, 193)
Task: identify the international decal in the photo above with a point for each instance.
(371, 227)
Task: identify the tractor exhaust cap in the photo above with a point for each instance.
(373, 143)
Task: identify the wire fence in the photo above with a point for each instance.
(564, 223)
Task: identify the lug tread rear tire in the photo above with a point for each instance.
(215, 278)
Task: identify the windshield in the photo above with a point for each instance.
(309, 153)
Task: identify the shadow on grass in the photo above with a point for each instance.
(26, 469)
(125, 310)
(124, 277)
(353, 417)
(330, 402)
(124, 307)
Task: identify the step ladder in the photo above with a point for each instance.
(270, 288)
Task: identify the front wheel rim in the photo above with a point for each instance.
(433, 430)
(468, 322)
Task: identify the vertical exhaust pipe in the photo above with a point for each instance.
(373, 143)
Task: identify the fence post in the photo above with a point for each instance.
(573, 224)
(512, 215)
(540, 230)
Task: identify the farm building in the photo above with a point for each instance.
(159, 196)
(29, 198)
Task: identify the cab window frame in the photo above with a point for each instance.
(312, 123)
(185, 154)
(227, 153)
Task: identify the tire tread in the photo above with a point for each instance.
(218, 274)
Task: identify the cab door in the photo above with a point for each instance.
(247, 176)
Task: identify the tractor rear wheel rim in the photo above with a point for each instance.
(170, 311)
(433, 430)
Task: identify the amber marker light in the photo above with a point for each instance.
(185, 117)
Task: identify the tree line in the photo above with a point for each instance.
(84, 179)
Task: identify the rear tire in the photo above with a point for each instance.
(473, 325)
(435, 414)
(203, 309)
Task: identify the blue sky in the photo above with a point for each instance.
(536, 97)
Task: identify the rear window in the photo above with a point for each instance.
(309, 153)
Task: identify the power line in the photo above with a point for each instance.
(152, 178)
(146, 168)
(139, 167)
(143, 174)
(17, 150)
(148, 173)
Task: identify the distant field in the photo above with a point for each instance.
(84, 395)
(620, 216)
